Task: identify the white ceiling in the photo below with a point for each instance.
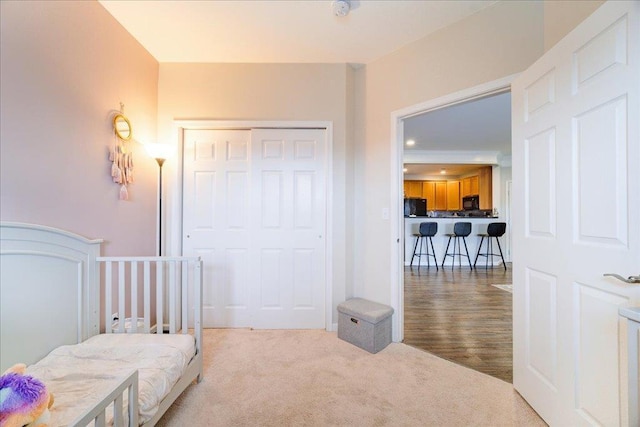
(293, 31)
(479, 125)
(307, 31)
(434, 170)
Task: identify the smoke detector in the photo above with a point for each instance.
(341, 7)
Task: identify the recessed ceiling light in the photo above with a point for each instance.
(411, 142)
(443, 171)
(404, 169)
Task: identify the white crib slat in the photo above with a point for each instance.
(133, 407)
(134, 297)
(100, 420)
(118, 419)
(147, 297)
(172, 297)
(121, 297)
(134, 410)
(197, 296)
(159, 298)
(107, 297)
(185, 298)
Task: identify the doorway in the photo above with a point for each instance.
(398, 130)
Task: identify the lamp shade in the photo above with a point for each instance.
(159, 151)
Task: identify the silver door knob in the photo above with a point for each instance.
(630, 279)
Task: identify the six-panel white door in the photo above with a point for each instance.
(254, 209)
(576, 188)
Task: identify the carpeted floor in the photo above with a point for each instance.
(312, 378)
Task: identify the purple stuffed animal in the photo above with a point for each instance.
(24, 400)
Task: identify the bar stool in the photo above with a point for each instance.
(426, 232)
(494, 229)
(460, 230)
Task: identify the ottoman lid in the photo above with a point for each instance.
(370, 311)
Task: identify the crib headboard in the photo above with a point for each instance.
(49, 291)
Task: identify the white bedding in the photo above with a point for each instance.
(79, 375)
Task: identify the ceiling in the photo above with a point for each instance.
(451, 170)
(285, 31)
(307, 31)
(479, 125)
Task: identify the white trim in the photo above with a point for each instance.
(396, 237)
(174, 221)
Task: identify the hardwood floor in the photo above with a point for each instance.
(459, 316)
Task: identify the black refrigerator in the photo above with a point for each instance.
(415, 206)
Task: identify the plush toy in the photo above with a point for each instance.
(24, 400)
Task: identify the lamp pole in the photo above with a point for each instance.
(159, 152)
(160, 163)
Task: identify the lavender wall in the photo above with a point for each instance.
(65, 67)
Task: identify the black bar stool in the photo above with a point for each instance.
(460, 230)
(494, 229)
(426, 232)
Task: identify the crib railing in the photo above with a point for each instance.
(151, 294)
(97, 415)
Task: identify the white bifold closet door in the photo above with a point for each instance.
(254, 208)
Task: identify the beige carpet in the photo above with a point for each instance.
(311, 378)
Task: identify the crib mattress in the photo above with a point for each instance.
(79, 375)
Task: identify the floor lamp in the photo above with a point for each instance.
(160, 152)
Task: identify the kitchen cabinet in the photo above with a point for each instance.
(453, 195)
(441, 196)
(485, 186)
(413, 189)
(429, 193)
(469, 186)
(447, 195)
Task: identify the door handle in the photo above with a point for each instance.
(631, 279)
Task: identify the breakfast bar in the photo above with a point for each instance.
(445, 225)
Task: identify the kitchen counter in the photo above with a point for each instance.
(445, 225)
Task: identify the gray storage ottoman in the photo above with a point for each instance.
(364, 323)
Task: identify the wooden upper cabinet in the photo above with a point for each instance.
(485, 186)
(465, 187)
(453, 195)
(447, 195)
(429, 193)
(469, 186)
(413, 189)
(441, 197)
(475, 187)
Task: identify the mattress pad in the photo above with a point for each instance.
(80, 375)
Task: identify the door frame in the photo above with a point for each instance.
(175, 176)
(395, 159)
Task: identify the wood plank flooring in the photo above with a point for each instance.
(459, 316)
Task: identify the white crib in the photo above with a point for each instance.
(56, 291)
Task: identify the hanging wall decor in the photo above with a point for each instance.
(121, 158)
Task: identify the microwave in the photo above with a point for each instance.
(471, 203)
